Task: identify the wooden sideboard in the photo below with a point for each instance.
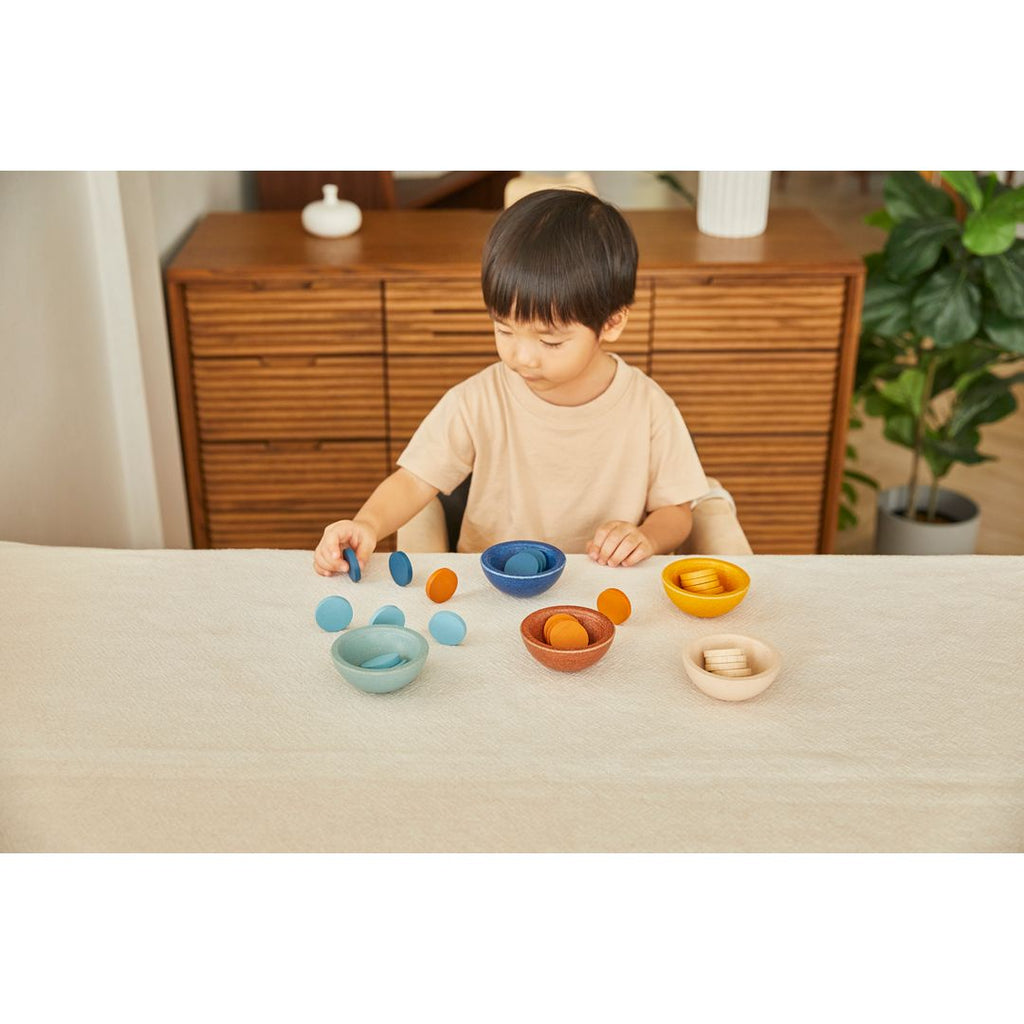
(303, 365)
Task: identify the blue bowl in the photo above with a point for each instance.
(493, 560)
(351, 649)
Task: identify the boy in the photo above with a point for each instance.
(566, 443)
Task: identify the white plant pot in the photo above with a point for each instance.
(733, 204)
(897, 535)
(331, 217)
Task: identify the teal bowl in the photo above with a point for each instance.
(351, 649)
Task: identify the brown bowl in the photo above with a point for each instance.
(600, 632)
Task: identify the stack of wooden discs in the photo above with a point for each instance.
(565, 632)
(701, 581)
(727, 661)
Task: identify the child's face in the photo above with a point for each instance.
(549, 357)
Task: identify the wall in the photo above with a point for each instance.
(88, 433)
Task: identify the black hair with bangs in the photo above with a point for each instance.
(557, 257)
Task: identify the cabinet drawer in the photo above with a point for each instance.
(778, 482)
(284, 317)
(416, 384)
(432, 317)
(747, 313)
(272, 398)
(265, 495)
(750, 392)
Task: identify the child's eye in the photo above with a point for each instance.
(552, 344)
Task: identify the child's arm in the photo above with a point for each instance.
(621, 543)
(392, 505)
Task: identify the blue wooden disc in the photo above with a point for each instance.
(353, 565)
(383, 661)
(333, 613)
(542, 559)
(523, 563)
(388, 615)
(401, 568)
(448, 628)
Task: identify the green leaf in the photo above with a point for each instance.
(899, 428)
(906, 391)
(880, 219)
(1007, 332)
(915, 245)
(1004, 274)
(863, 478)
(987, 399)
(986, 233)
(875, 262)
(947, 307)
(966, 183)
(886, 309)
(908, 196)
(993, 229)
(847, 519)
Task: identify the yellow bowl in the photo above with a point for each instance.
(706, 606)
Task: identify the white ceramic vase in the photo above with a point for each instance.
(733, 204)
(331, 217)
(897, 535)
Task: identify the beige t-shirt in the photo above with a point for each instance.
(550, 472)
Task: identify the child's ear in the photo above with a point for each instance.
(615, 325)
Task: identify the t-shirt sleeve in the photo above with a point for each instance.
(676, 475)
(442, 451)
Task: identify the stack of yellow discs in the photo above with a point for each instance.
(701, 581)
(727, 661)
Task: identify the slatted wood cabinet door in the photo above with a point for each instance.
(303, 366)
(286, 383)
(753, 365)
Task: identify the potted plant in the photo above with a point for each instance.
(943, 318)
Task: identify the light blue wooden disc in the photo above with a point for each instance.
(383, 661)
(448, 628)
(523, 563)
(401, 568)
(333, 613)
(542, 559)
(388, 615)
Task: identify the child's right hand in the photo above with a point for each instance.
(329, 558)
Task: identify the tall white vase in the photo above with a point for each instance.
(733, 204)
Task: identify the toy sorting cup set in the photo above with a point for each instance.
(385, 655)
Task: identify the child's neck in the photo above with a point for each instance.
(593, 382)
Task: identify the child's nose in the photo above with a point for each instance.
(526, 354)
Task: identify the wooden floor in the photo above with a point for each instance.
(997, 487)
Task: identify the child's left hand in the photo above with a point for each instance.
(619, 543)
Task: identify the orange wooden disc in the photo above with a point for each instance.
(706, 585)
(569, 636)
(614, 603)
(552, 620)
(441, 584)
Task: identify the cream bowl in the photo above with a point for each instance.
(763, 659)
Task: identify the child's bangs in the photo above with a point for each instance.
(545, 299)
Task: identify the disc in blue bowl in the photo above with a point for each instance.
(448, 628)
(401, 568)
(523, 563)
(333, 613)
(383, 661)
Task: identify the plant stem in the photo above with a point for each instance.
(933, 500)
(926, 397)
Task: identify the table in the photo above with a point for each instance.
(186, 701)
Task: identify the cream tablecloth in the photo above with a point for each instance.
(186, 701)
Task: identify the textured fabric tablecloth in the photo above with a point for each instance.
(186, 701)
